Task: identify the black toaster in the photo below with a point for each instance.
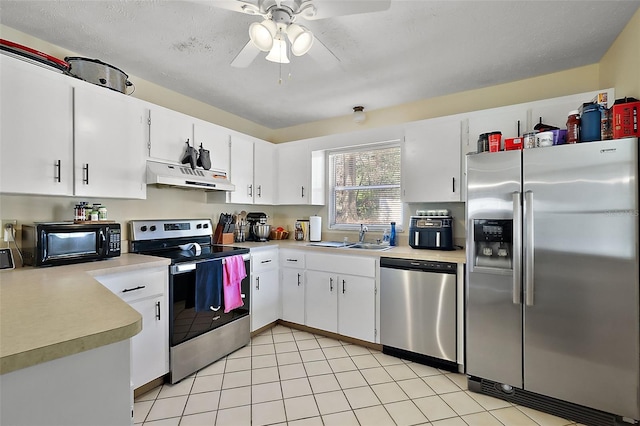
(431, 232)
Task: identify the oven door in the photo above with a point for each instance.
(187, 323)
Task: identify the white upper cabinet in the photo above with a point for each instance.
(109, 143)
(300, 174)
(215, 139)
(168, 134)
(264, 179)
(252, 170)
(241, 170)
(431, 161)
(36, 134)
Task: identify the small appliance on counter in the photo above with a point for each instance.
(432, 230)
(255, 221)
(63, 243)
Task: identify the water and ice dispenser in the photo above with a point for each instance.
(493, 243)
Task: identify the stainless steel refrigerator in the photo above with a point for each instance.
(552, 294)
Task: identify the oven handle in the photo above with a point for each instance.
(181, 268)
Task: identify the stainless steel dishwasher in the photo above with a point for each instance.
(418, 310)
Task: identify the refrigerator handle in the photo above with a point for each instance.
(517, 247)
(529, 261)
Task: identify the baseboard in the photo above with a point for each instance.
(148, 386)
(336, 336)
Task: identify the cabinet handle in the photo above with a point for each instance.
(302, 191)
(250, 190)
(257, 283)
(85, 173)
(266, 261)
(260, 191)
(453, 184)
(292, 260)
(140, 287)
(58, 171)
(157, 310)
(344, 286)
(518, 128)
(298, 280)
(330, 284)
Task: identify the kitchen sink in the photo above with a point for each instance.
(369, 246)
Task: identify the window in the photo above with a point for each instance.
(365, 186)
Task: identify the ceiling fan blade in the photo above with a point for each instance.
(323, 56)
(246, 56)
(329, 8)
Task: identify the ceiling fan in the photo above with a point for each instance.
(278, 32)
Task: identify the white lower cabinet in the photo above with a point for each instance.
(146, 291)
(341, 295)
(322, 300)
(356, 307)
(265, 288)
(293, 285)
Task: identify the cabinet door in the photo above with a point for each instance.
(150, 347)
(265, 299)
(293, 288)
(168, 132)
(322, 301)
(294, 173)
(357, 307)
(215, 139)
(36, 140)
(431, 161)
(109, 144)
(264, 172)
(241, 170)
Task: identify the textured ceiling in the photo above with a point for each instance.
(414, 50)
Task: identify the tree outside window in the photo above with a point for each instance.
(365, 186)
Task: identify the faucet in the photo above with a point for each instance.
(363, 231)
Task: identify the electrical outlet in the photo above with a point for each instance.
(11, 222)
(9, 229)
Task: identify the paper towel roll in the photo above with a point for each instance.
(315, 228)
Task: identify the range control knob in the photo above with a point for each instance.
(198, 226)
(143, 228)
(205, 226)
(153, 228)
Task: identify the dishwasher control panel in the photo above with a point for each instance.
(418, 265)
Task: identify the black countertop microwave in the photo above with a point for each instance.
(63, 243)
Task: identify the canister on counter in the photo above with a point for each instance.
(529, 140)
(483, 143)
(495, 141)
(544, 139)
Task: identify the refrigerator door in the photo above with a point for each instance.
(493, 320)
(581, 316)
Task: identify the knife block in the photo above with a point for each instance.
(220, 237)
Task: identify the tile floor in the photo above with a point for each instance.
(290, 377)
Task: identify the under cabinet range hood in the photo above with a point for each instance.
(185, 177)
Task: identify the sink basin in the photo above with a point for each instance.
(369, 246)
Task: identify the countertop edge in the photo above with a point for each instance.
(128, 324)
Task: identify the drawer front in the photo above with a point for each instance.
(137, 284)
(352, 265)
(292, 259)
(264, 260)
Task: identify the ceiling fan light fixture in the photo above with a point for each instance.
(262, 34)
(278, 52)
(301, 39)
(358, 114)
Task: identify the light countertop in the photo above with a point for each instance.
(48, 313)
(404, 252)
